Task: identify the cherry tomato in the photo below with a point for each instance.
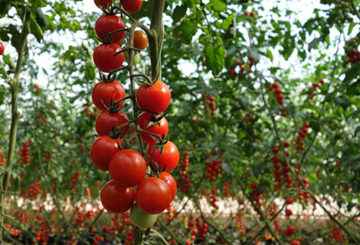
(103, 92)
(2, 48)
(127, 167)
(165, 176)
(116, 199)
(142, 219)
(106, 121)
(160, 128)
(153, 195)
(155, 98)
(170, 156)
(109, 23)
(104, 58)
(103, 3)
(103, 149)
(140, 40)
(131, 6)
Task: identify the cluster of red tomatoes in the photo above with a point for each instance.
(213, 167)
(24, 154)
(140, 178)
(34, 191)
(352, 54)
(209, 102)
(200, 230)
(255, 196)
(184, 182)
(74, 179)
(313, 88)
(301, 136)
(279, 97)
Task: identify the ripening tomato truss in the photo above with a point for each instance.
(137, 175)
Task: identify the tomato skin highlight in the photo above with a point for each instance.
(106, 121)
(153, 195)
(103, 3)
(165, 176)
(104, 58)
(109, 23)
(103, 92)
(140, 39)
(102, 151)
(161, 127)
(170, 156)
(127, 168)
(155, 98)
(116, 199)
(131, 6)
(142, 219)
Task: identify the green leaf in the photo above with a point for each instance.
(269, 54)
(313, 43)
(254, 54)
(178, 13)
(227, 22)
(357, 129)
(214, 57)
(218, 5)
(36, 30)
(185, 31)
(352, 72)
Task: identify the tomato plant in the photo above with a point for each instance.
(103, 149)
(157, 126)
(140, 39)
(104, 93)
(107, 122)
(104, 57)
(127, 168)
(107, 24)
(155, 98)
(142, 219)
(165, 160)
(153, 195)
(131, 6)
(115, 198)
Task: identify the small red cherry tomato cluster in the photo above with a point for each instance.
(213, 168)
(301, 136)
(128, 168)
(279, 97)
(184, 182)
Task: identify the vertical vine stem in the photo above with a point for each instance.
(155, 36)
(14, 86)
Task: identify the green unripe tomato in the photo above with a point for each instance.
(142, 219)
(136, 57)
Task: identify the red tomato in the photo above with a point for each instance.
(289, 230)
(103, 92)
(2, 48)
(155, 98)
(103, 149)
(116, 199)
(103, 3)
(161, 127)
(127, 167)
(170, 156)
(106, 121)
(131, 6)
(165, 176)
(153, 195)
(109, 23)
(140, 40)
(104, 58)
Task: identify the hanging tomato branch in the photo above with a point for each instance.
(128, 168)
